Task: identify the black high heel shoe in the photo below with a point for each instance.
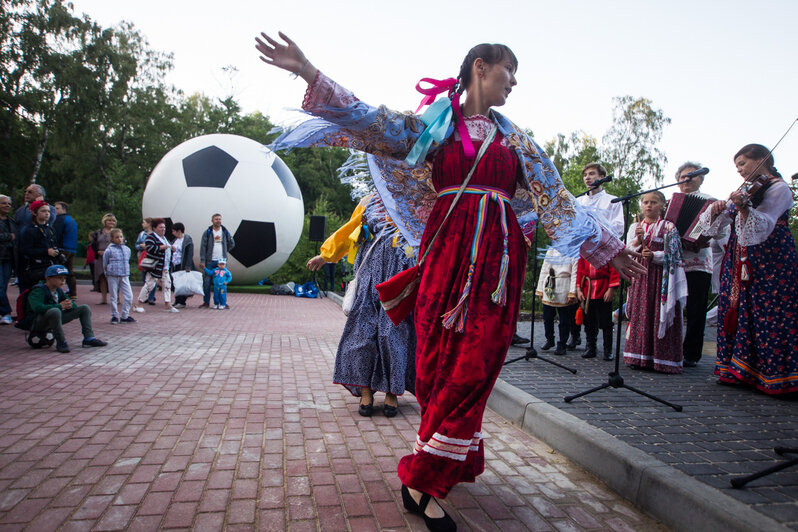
(390, 410)
(366, 410)
(440, 524)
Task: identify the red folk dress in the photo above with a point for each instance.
(456, 371)
(644, 348)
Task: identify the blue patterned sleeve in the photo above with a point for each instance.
(344, 121)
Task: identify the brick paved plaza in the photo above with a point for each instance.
(212, 420)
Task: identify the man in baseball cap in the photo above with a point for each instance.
(49, 308)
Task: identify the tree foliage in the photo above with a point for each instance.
(85, 112)
(630, 147)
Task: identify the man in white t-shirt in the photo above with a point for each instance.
(215, 244)
(698, 267)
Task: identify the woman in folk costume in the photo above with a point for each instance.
(471, 283)
(655, 301)
(758, 303)
(373, 354)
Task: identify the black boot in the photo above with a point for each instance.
(560, 349)
(518, 340)
(608, 355)
(590, 351)
(573, 342)
(548, 345)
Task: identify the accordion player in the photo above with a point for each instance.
(684, 211)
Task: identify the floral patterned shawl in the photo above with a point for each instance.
(407, 192)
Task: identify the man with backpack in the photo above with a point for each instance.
(45, 307)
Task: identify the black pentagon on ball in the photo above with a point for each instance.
(208, 167)
(255, 241)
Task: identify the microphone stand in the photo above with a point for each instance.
(531, 352)
(615, 379)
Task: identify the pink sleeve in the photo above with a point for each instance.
(602, 253)
(324, 92)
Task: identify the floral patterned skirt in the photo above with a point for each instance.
(762, 350)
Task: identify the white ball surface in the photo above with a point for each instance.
(239, 178)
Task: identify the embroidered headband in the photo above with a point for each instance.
(438, 118)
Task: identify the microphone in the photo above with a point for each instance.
(603, 180)
(697, 173)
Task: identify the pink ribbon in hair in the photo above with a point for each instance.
(447, 85)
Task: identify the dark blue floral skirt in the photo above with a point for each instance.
(372, 351)
(762, 350)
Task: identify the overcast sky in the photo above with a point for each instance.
(723, 71)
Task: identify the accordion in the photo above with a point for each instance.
(684, 211)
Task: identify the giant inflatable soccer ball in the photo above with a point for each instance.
(254, 191)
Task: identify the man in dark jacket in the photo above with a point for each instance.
(48, 307)
(23, 215)
(215, 244)
(182, 257)
(66, 237)
(8, 256)
(37, 247)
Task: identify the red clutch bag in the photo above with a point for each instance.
(398, 294)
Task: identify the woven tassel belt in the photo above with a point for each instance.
(456, 317)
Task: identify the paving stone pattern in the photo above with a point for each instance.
(212, 420)
(723, 431)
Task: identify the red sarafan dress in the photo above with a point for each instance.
(456, 370)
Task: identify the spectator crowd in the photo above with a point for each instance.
(38, 245)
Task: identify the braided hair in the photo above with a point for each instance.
(490, 54)
(757, 151)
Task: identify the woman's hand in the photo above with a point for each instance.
(286, 56)
(739, 200)
(626, 265)
(717, 208)
(647, 253)
(315, 263)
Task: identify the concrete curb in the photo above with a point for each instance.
(669, 495)
(332, 296)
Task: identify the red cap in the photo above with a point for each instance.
(36, 205)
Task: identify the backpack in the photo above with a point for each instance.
(24, 319)
(35, 339)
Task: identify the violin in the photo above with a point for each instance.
(751, 186)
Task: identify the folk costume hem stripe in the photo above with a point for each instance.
(454, 448)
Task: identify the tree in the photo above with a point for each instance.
(85, 111)
(630, 145)
(38, 44)
(570, 154)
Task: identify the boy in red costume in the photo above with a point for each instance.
(597, 287)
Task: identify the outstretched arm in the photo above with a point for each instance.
(286, 56)
(626, 266)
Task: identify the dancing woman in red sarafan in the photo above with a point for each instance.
(758, 303)
(471, 281)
